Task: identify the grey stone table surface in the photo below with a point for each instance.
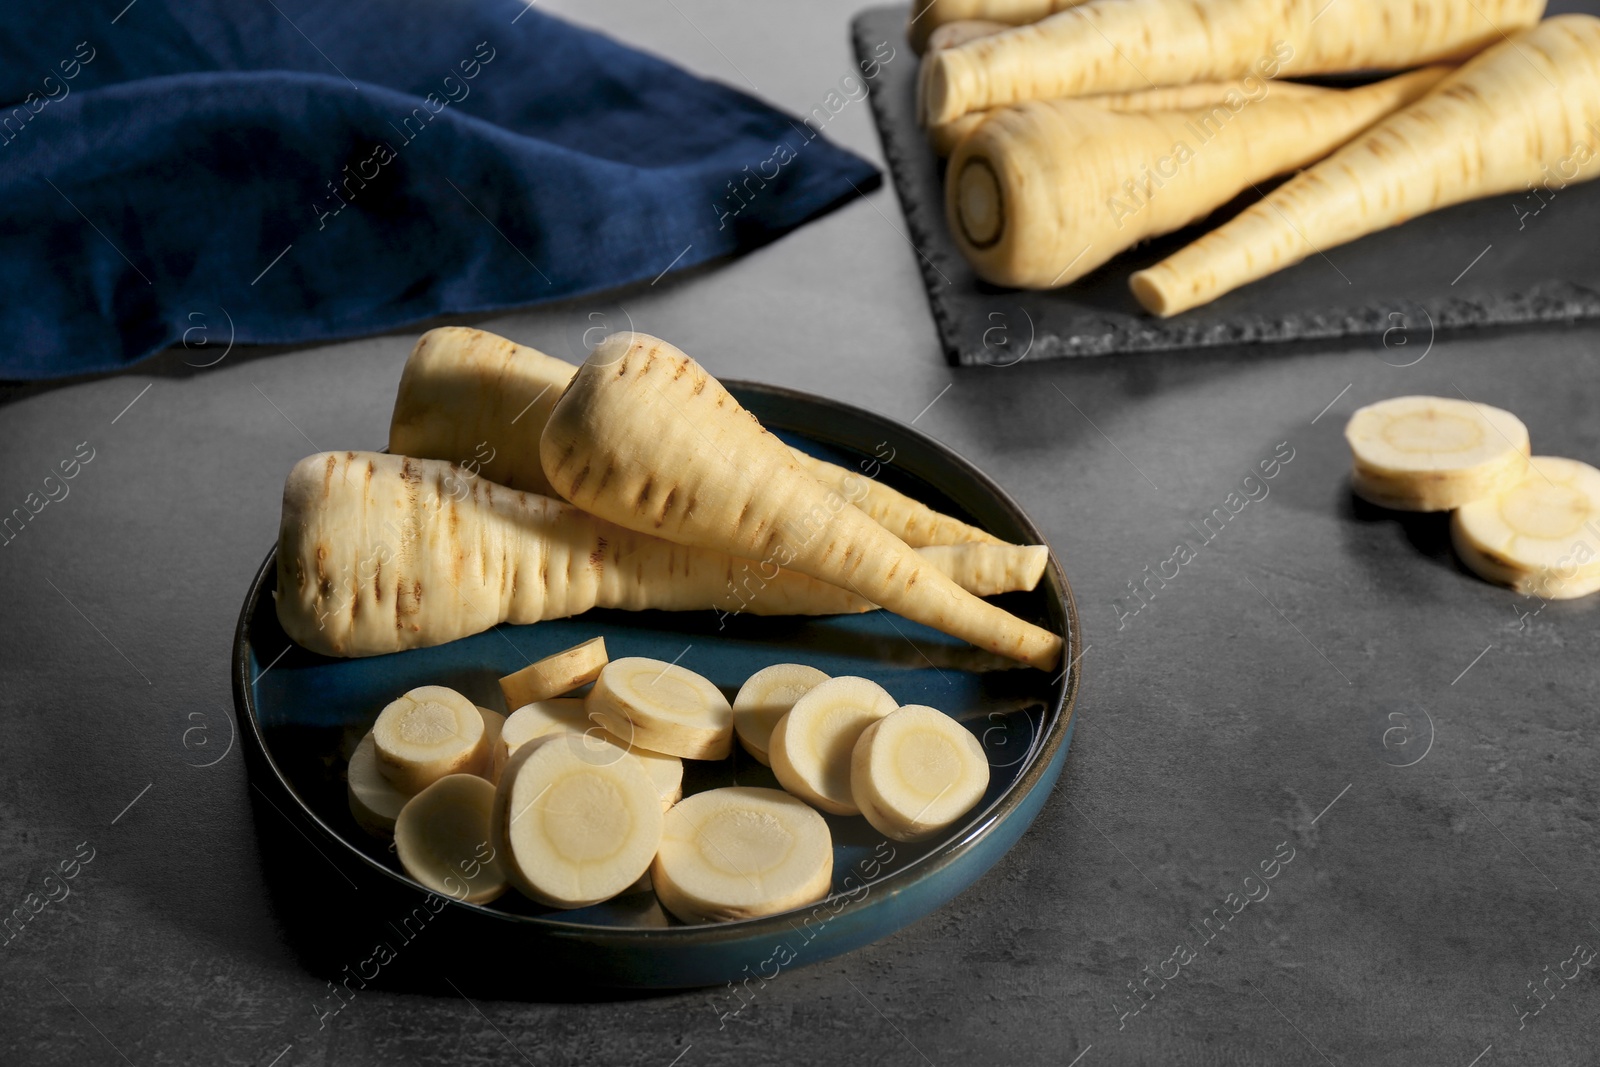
(1320, 692)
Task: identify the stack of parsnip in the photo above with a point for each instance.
(575, 800)
(635, 481)
(1077, 130)
(1528, 522)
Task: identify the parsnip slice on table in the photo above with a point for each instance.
(1434, 453)
(1539, 536)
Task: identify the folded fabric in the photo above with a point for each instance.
(311, 170)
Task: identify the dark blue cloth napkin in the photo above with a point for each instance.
(314, 170)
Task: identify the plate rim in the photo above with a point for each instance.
(1043, 756)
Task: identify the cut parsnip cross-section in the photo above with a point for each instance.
(664, 770)
(1541, 536)
(666, 773)
(766, 697)
(662, 707)
(532, 721)
(443, 839)
(1432, 453)
(426, 734)
(374, 800)
(569, 715)
(577, 820)
(555, 675)
(811, 745)
(916, 771)
(494, 748)
(741, 852)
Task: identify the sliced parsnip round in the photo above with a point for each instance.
(811, 745)
(766, 697)
(577, 820)
(740, 852)
(1433, 453)
(374, 800)
(555, 675)
(916, 771)
(443, 839)
(649, 704)
(426, 734)
(1541, 536)
(494, 746)
(534, 720)
(666, 772)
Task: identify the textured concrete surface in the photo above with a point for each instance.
(1265, 700)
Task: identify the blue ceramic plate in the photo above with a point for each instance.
(301, 715)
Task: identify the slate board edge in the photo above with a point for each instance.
(1550, 304)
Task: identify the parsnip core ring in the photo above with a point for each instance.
(979, 206)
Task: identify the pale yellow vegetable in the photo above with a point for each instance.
(1117, 45)
(916, 771)
(665, 771)
(989, 570)
(945, 136)
(765, 698)
(427, 733)
(1541, 535)
(375, 555)
(555, 675)
(443, 839)
(647, 439)
(1434, 453)
(739, 853)
(478, 400)
(811, 745)
(570, 715)
(481, 401)
(662, 707)
(1522, 114)
(533, 721)
(375, 802)
(954, 34)
(1045, 192)
(929, 16)
(577, 820)
(495, 752)
(912, 521)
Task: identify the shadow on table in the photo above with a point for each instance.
(1426, 531)
(357, 933)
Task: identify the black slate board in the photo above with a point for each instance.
(1489, 263)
